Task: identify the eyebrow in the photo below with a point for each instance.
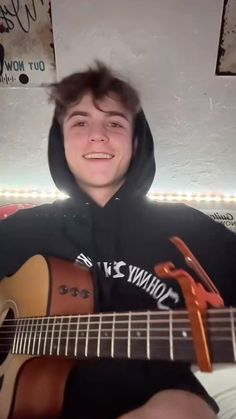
(109, 113)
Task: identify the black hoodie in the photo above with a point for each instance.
(121, 243)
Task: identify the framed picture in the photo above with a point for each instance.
(26, 43)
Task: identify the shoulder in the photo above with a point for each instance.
(179, 218)
(174, 211)
(32, 220)
(43, 210)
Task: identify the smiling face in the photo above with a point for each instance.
(98, 145)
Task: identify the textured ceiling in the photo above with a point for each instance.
(169, 51)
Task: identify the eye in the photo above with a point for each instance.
(80, 124)
(115, 125)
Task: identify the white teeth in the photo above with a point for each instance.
(98, 156)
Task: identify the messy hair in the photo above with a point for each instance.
(98, 80)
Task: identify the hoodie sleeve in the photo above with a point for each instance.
(18, 241)
(214, 246)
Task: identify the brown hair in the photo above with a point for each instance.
(100, 81)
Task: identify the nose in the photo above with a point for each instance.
(98, 134)
(98, 138)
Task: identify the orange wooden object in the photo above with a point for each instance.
(197, 300)
(193, 263)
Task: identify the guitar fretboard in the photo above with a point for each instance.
(143, 335)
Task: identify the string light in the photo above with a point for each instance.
(160, 197)
(190, 197)
(32, 194)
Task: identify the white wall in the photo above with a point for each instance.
(25, 118)
(168, 49)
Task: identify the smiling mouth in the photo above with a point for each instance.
(90, 156)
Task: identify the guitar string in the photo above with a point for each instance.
(8, 340)
(152, 338)
(28, 322)
(25, 324)
(104, 315)
(60, 325)
(162, 345)
(159, 339)
(25, 332)
(41, 326)
(157, 313)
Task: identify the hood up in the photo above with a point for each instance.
(139, 176)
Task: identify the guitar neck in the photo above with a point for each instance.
(134, 335)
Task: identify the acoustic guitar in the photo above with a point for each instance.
(47, 323)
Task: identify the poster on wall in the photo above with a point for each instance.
(226, 61)
(26, 43)
(225, 216)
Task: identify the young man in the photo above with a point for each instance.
(101, 154)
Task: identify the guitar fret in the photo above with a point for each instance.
(233, 332)
(129, 335)
(45, 337)
(35, 335)
(52, 336)
(16, 338)
(59, 336)
(220, 330)
(99, 335)
(40, 336)
(76, 336)
(19, 336)
(106, 335)
(118, 329)
(171, 336)
(81, 332)
(67, 336)
(139, 336)
(113, 335)
(22, 336)
(87, 335)
(27, 321)
(148, 336)
(30, 334)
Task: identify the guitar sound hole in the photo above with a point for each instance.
(7, 330)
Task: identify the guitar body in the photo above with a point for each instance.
(35, 362)
(33, 387)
